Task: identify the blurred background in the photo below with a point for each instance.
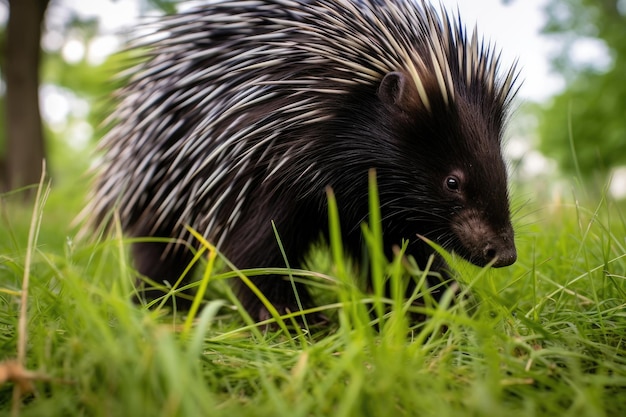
(58, 61)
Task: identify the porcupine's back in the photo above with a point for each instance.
(251, 108)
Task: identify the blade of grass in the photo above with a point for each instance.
(293, 286)
(374, 238)
(43, 190)
(204, 282)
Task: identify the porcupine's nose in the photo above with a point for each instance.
(503, 251)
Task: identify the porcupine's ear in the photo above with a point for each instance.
(395, 91)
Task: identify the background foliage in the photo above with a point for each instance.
(584, 127)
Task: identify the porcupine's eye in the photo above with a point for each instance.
(453, 184)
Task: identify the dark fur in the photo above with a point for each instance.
(384, 126)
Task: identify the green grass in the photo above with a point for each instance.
(545, 337)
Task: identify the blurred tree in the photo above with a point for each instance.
(24, 132)
(584, 127)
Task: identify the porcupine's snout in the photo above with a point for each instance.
(480, 242)
(502, 249)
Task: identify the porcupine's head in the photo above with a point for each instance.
(448, 108)
(436, 135)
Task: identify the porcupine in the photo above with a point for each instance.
(244, 112)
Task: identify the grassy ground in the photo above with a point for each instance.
(545, 337)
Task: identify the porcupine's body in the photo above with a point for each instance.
(245, 111)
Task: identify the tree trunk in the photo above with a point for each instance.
(24, 133)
